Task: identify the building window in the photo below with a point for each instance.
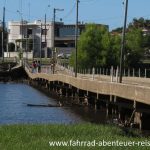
(57, 32)
(29, 31)
(44, 44)
(44, 31)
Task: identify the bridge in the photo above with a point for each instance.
(132, 88)
(129, 101)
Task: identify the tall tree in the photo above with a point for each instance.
(134, 47)
(114, 51)
(92, 47)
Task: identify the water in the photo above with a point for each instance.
(14, 110)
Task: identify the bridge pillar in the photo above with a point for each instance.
(111, 98)
(138, 119)
(46, 85)
(114, 106)
(121, 114)
(66, 93)
(77, 99)
(96, 101)
(108, 109)
(95, 107)
(53, 88)
(50, 86)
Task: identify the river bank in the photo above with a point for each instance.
(39, 137)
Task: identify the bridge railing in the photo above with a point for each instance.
(47, 69)
(65, 70)
(9, 59)
(101, 74)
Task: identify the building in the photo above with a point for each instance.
(30, 37)
(39, 38)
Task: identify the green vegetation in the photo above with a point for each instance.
(139, 23)
(97, 47)
(134, 51)
(93, 47)
(37, 137)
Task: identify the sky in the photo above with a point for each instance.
(109, 12)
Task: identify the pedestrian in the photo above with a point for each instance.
(33, 66)
(39, 66)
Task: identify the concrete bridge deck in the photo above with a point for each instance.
(134, 89)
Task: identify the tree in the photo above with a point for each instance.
(98, 48)
(113, 56)
(118, 30)
(92, 47)
(139, 23)
(134, 47)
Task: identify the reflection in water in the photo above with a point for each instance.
(13, 108)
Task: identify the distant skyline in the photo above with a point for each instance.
(109, 12)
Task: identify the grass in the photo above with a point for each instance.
(37, 137)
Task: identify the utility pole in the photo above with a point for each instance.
(22, 34)
(53, 54)
(26, 41)
(3, 34)
(45, 39)
(41, 46)
(123, 43)
(76, 37)
(20, 13)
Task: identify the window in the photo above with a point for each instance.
(29, 31)
(44, 31)
(44, 44)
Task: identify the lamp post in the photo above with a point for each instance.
(55, 9)
(41, 43)
(123, 42)
(21, 30)
(26, 42)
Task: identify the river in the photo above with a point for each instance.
(14, 98)
(14, 110)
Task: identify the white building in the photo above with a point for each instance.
(34, 36)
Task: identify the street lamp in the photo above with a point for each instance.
(41, 44)
(123, 42)
(21, 29)
(55, 9)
